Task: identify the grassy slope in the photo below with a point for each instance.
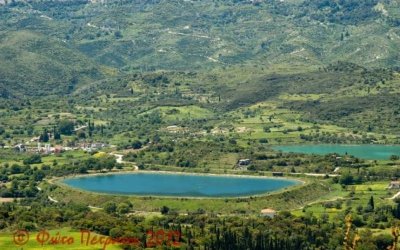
(32, 64)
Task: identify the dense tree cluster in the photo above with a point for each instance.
(203, 230)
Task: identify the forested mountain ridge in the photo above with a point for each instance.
(193, 35)
(237, 52)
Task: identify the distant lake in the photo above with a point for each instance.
(179, 185)
(368, 151)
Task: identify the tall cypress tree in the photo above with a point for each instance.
(371, 202)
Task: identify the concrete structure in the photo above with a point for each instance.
(268, 212)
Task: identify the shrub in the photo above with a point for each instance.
(164, 210)
(33, 159)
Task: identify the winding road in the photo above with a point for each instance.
(121, 161)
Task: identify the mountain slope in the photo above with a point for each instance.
(32, 64)
(50, 47)
(192, 35)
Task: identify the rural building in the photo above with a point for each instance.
(394, 185)
(58, 149)
(20, 148)
(268, 212)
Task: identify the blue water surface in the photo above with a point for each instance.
(179, 185)
(367, 151)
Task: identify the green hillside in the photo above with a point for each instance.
(188, 35)
(222, 55)
(33, 64)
